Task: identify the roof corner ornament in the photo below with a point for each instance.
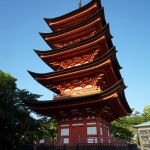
(80, 5)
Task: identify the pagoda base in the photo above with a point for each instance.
(99, 146)
(79, 130)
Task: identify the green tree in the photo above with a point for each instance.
(16, 122)
(7, 81)
(146, 109)
(121, 133)
(122, 128)
(146, 113)
(48, 128)
(15, 119)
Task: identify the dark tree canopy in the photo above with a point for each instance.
(16, 123)
(7, 81)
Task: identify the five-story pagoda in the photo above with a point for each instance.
(88, 87)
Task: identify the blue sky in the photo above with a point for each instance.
(20, 22)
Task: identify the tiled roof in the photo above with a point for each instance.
(145, 124)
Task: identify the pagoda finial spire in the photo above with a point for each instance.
(80, 4)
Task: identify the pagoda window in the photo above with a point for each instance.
(77, 64)
(66, 140)
(101, 131)
(88, 117)
(91, 130)
(88, 86)
(93, 117)
(78, 88)
(69, 66)
(65, 132)
(80, 118)
(67, 90)
(65, 119)
(75, 118)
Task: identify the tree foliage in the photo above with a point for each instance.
(16, 123)
(123, 128)
(7, 82)
(49, 128)
(121, 133)
(146, 113)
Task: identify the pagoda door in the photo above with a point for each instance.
(77, 132)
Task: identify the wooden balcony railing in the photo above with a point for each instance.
(85, 140)
(101, 140)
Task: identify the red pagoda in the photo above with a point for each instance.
(88, 87)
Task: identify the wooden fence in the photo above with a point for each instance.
(92, 146)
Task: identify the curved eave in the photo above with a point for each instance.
(38, 52)
(64, 71)
(48, 20)
(53, 75)
(99, 14)
(105, 31)
(116, 65)
(54, 104)
(35, 75)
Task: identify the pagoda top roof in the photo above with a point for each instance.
(106, 96)
(57, 22)
(92, 24)
(100, 12)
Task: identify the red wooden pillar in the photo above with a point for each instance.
(98, 129)
(109, 129)
(59, 130)
(101, 130)
(70, 131)
(105, 131)
(85, 130)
